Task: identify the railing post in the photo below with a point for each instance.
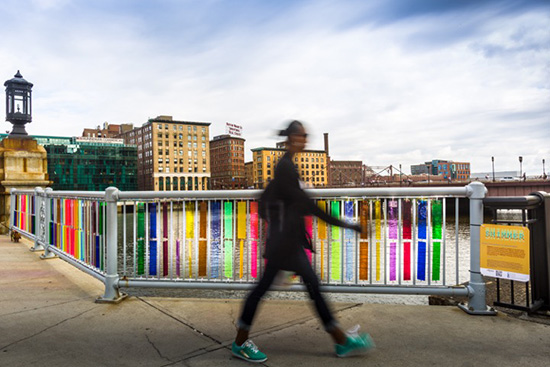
(11, 220)
(112, 294)
(38, 220)
(47, 217)
(477, 304)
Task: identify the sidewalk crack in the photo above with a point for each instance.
(158, 350)
(46, 329)
(180, 321)
(40, 308)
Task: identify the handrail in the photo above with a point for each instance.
(82, 227)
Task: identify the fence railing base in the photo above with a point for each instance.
(122, 296)
(489, 311)
(49, 255)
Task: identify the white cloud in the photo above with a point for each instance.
(387, 94)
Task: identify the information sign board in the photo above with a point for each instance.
(504, 252)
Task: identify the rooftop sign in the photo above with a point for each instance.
(233, 129)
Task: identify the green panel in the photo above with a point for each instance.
(437, 219)
(336, 245)
(228, 236)
(436, 261)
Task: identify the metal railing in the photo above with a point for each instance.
(214, 239)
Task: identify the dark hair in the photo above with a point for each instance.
(293, 127)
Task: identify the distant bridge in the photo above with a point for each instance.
(516, 188)
(511, 188)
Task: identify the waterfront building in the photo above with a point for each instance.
(346, 173)
(420, 169)
(449, 170)
(311, 164)
(227, 163)
(172, 155)
(89, 164)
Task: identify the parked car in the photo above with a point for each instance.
(509, 178)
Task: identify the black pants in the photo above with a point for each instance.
(309, 278)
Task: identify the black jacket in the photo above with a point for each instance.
(284, 205)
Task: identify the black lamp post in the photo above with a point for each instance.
(493, 162)
(18, 104)
(543, 169)
(520, 166)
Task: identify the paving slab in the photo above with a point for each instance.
(218, 318)
(52, 320)
(416, 336)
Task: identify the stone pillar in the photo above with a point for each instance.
(23, 165)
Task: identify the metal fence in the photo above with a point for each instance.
(215, 239)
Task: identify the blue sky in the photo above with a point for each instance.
(392, 82)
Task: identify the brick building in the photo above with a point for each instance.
(227, 163)
(449, 170)
(311, 165)
(172, 155)
(346, 173)
(108, 131)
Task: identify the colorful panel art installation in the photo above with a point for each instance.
(222, 239)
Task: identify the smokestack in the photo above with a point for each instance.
(326, 143)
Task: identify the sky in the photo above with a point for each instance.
(392, 81)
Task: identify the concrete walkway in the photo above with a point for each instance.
(48, 318)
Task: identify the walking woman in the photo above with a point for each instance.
(284, 205)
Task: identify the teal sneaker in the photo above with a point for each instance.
(249, 352)
(355, 344)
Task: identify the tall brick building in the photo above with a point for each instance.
(227, 163)
(172, 155)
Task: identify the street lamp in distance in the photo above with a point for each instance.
(493, 163)
(520, 166)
